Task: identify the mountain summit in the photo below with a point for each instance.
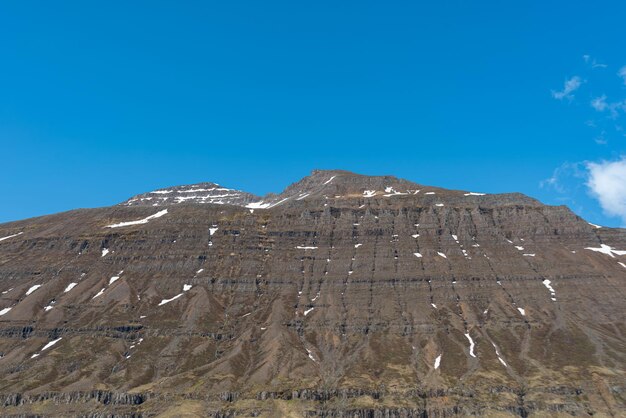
(343, 295)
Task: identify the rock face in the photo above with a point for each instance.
(343, 296)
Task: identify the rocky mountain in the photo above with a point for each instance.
(343, 296)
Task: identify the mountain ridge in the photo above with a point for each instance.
(363, 298)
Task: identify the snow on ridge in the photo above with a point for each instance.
(258, 205)
(11, 236)
(474, 194)
(621, 264)
(330, 179)
(5, 310)
(369, 193)
(594, 225)
(139, 222)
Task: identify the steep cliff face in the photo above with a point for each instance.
(345, 295)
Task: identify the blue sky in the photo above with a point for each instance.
(103, 100)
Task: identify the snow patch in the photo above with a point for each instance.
(418, 255)
(369, 193)
(164, 301)
(105, 251)
(186, 287)
(438, 361)
(308, 311)
(357, 245)
(99, 293)
(69, 287)
(522, 311)
(594, 225)
(140, 221)
(469, 337)
(442, 254)
(50, 344)
(11, 236)
(329, 180)
(499, 356)
(474, 194)
(302, 247)
(606, 249)
(5, 310)
(547, 283)
(32, 289)
(212, 230)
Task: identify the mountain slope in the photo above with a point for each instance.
(343, 295)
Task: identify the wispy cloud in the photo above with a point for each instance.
(569, 87)
(622, 73)
(607, 183)
(599, 103)
(593, 62)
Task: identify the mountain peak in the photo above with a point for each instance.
(336, 185)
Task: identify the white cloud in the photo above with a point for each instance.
(569, 87)
(622, 73)
(607, 183)
(599, 103)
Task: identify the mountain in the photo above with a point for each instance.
(343, 296)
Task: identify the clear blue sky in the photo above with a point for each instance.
(103, 100)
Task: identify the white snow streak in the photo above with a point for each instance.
(212, 230)
(329, 180)
(474, 194)
(50, 344)
(105, 251)
(140, 221)
(5, 310)
(605, 249)
(437, 361)
(164, 301)
(522, 311)
(418, 255)
(442, 254)
(11, 236)
(308, 311)
(547, 283)
(32, 289)
(369, 193)
(301, 247)
(69, 287)
(498, 354)
(469, 337)
(357, 245)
